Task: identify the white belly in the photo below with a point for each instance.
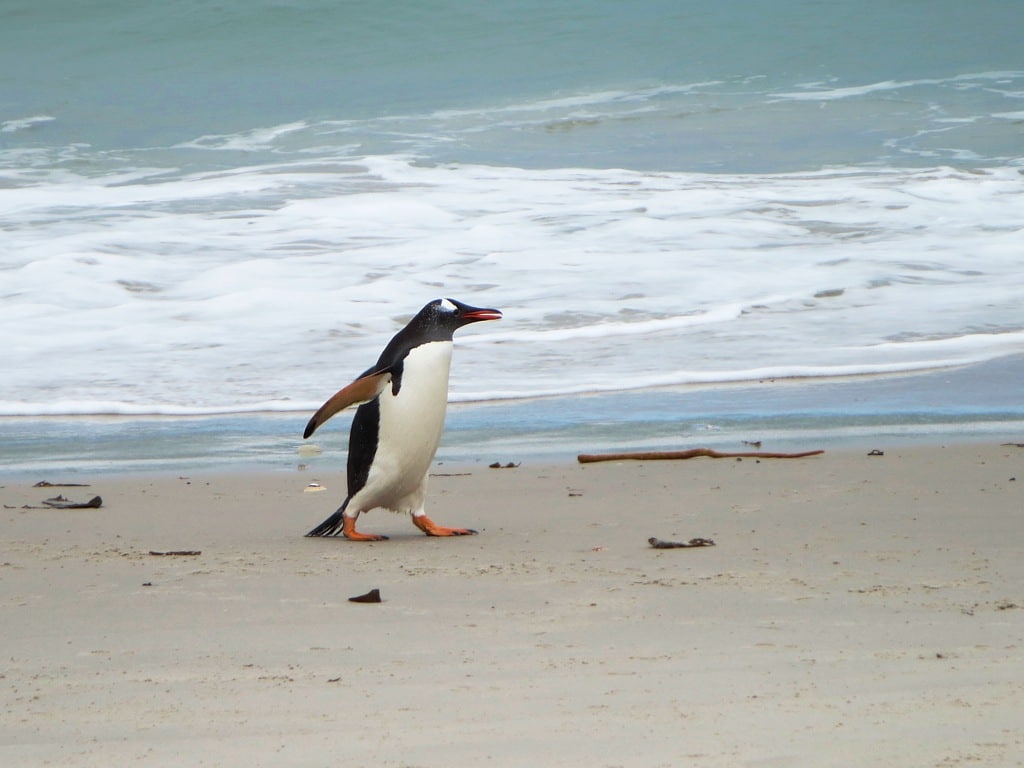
(411, 424)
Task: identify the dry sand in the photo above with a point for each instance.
(857, 610)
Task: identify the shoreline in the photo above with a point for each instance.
(966, 405)
(854, 608)
(285, 455)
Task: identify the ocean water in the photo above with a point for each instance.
(697, 220)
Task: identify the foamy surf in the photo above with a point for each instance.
(263, 287)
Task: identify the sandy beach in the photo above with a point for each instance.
(855, 610)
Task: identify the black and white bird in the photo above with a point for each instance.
(396, 430)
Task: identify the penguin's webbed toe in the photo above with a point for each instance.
(431, 528)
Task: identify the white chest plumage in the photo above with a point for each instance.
(411, 424)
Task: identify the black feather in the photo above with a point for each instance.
(362, 444)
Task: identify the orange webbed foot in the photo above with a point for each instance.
(349, 531)
(431, 528)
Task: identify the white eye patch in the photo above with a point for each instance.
(447, 306)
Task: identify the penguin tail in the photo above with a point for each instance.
(332, 525)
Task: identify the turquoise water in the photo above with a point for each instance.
(702, 86)
(219, 210)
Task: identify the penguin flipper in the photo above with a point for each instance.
(362, 390)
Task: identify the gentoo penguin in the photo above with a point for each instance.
(396, 430)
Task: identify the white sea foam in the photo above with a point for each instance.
(818, 92)
(267, 287)
(12, 126)
(256, 139)
(822, 92)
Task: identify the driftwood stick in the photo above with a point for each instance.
(176, 553)
(59, 502)
(588, 458)
(657, 543)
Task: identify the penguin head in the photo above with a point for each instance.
(462, 314)
(442, 317)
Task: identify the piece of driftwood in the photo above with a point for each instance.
(176, 553)
(59, 502)
(47, 484)
(691, 453)
(660, 544)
